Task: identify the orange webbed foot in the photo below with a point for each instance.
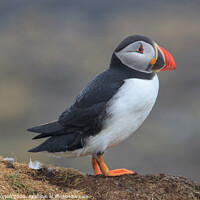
(119, 172)
(98, 164)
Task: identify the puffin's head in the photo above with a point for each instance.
(143, 54)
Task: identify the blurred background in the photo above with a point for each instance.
(49, 50)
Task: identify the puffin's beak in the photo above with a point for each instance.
(163, 61)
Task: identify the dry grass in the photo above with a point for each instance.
(18, 180)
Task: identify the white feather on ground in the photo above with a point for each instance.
(35, 165)
(9, 159)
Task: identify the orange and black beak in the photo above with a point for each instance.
(163, 60)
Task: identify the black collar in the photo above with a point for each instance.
(116, 64)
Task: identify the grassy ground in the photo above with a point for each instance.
(18, 181)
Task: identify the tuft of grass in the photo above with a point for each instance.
(16, 183)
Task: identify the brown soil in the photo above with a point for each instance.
(18, 181)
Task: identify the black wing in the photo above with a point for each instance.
(88, 110)
(83, 118)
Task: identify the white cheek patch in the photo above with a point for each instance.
(127, 58)
(139, 61)
(133, 60)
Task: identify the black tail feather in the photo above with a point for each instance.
(47, 130)
(50, 127)
(60, 143)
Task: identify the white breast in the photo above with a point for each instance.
(127, 110)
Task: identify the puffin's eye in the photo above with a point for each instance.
(140, 49)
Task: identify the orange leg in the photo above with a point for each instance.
(107, 172)
(95, 167)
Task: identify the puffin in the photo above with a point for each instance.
(111, 107)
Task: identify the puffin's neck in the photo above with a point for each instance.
(118, 65)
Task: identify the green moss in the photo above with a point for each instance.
(16, 182)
